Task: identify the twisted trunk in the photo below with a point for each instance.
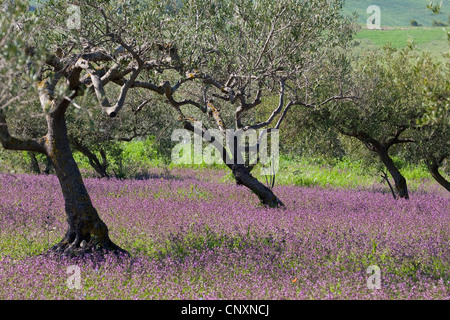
(434, 170)
(241, 172)
(399, 180)
(87, 232)
(243, 177)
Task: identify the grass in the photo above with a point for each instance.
(399, 38)
(433, 40)
(139, 159)
(345, 174)
(308, 172)
(396, 28)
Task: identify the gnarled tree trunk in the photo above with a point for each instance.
(243, 177)
(434, 170)
(241, 172)
(399, 179)
(87, 232)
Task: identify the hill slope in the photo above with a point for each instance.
(398, 12)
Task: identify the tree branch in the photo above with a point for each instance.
(208, 138)
(96, 82)
(112, 111)
(274, 113)
(11, 143)
(396, 140)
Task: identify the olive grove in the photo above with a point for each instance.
(191, 56)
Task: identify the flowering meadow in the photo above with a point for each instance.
(201, 239)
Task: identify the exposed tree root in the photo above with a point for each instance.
(82, 246)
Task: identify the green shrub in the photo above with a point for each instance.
(437, 23)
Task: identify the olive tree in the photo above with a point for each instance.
(26, 66)
(233, 54)
(437, 107)
(187, 55)
(387, 105)
(432, 147)
(432, 132)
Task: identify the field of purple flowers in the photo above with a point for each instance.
(194, 239)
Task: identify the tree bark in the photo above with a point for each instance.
(399, 180)
(87, 233)
(99, 167)
(434, 170)
(385, 177)
(48, 166)
(34, 164)
(266, 196)
(240, 171)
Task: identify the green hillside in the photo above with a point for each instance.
(399, 12)
(433, 40)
